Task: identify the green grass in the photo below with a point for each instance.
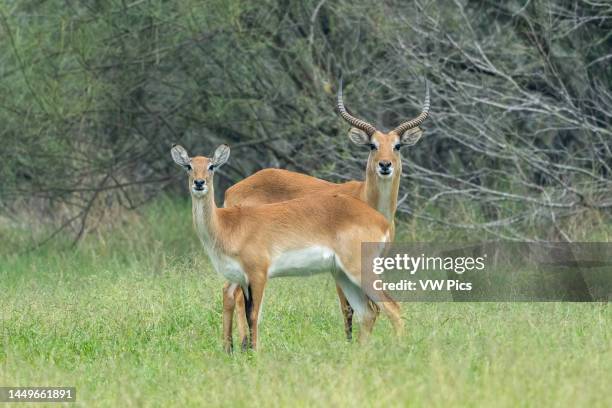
(132, 318)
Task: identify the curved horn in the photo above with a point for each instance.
(358, 123)
(419, 119)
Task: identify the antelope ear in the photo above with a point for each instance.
(411, 136)
(180, 155)
(221, 155)
(358, 136)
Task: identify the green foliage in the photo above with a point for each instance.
(94, 93)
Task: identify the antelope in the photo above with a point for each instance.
(248, 245)
(379, 190)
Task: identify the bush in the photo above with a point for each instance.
(518, 143)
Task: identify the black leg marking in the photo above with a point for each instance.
(248, 303)
(349, 322)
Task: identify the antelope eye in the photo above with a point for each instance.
(211, 167)
(397, 146)
(372, 146)
(188, 167)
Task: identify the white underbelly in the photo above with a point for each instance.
(229, 268)
(302, 262)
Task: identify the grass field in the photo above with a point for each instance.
(132, 318)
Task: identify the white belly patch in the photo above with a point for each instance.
(302, 262)
(229, 268)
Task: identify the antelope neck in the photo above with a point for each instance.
(205, 216)
(381, 194)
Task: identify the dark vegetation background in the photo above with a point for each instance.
(518, 145)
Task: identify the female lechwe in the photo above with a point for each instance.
(300, 237)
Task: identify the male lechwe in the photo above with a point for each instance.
(379, 190)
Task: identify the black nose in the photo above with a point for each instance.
(199, 184)
(384, 164)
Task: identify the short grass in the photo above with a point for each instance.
(132, 318)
